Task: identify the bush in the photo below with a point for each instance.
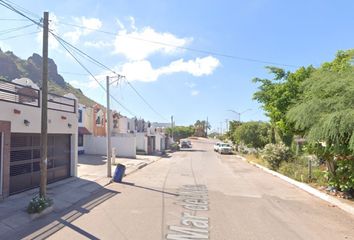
(38, 204)
(174, 147)
(344, 176)
(275, 154)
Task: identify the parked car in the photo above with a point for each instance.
(225, 148)
(185, 144)
(216, 146)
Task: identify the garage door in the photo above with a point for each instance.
(25, 160)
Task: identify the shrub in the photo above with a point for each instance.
(38, 204)
(174, 147)
(344, 175)
(275, 154)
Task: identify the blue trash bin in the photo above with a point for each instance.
(119, 173)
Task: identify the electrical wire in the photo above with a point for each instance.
(88, 71)
(146, 102)
(97, 63)
(10, 7)
(20, 35)
(23, 9)
(208, 52)
(10, 30)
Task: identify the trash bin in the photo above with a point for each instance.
(119, 173)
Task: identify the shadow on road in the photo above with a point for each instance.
(147, 188)
(192, 150)
(92, 159)
(45, 227)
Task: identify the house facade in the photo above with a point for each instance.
(20, 127)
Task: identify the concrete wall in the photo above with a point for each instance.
(58, 122)
(141, 141)
(160, 138)
(123, 125)
(125, 145)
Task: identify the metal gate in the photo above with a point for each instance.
(25, 160)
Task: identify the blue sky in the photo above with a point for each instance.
(186, 84)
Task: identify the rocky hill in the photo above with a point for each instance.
(12, 67)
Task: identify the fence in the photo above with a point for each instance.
(17, 93)
(20, 94)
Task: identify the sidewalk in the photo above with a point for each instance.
(344, 204)
(90, 183)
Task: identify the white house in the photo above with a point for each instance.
(20, 127)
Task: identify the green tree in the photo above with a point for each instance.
(200, 128)
(180, 132)
(252, 134)
(278, 95)
(325, 116)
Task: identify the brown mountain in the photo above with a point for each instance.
(12, 67)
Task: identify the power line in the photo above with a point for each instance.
(10, 30)
(111, 70)
(20, 35)
(10, 7)
(213, 53)
(88, 71)
(136, 91)
(23, 9)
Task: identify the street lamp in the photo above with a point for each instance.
(240, 113)
(109, 144)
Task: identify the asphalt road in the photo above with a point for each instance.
(199, 194)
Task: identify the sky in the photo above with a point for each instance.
(190, 59)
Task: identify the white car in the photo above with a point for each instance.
(216, 146)
(185, 143)
(225, 148)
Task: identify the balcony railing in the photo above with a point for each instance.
(25, 95)
(17, 93)
(60, 103)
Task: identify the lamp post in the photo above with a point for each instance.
(240, 113)
(109, 144)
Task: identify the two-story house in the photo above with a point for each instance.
(20, 127)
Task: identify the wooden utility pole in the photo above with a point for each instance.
(44, 113)
(109, 146)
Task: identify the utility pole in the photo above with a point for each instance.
(108, 126)
(206, 129)
(44, 111)
(109, 145)
(227, 125)
(172, 128)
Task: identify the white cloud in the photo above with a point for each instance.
(139, 44)
(143, 71)
(194, 93)
(197, 67)
(98, 44)
(90, 24)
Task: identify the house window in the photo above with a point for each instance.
(81, 140)
(80, 115)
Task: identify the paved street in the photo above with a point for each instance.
(222, 196)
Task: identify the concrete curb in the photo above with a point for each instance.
(142, 165)
(313, 191)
